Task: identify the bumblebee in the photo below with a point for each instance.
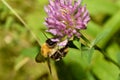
(50, 50)
(60, 53)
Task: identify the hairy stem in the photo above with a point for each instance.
(102, 52)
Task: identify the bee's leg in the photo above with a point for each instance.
(48, 63)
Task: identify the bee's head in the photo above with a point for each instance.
(51, 43)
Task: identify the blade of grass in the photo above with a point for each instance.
(22, 21)
(110, 28)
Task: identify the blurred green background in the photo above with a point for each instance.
(18, 47)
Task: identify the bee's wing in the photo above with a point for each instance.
(39, 57)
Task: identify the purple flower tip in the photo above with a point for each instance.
(66, 19)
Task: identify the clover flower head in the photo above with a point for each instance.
(66, 18)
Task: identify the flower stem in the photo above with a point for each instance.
(102, 51)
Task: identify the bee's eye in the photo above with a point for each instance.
(50, 42)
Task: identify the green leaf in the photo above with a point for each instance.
(77, 44)
(70, 67)
(87, 54)
(99, 37)
(113, 51)
(110, 28)
(30, 52)
(118, 57)
(73, 67)
(105, 70)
